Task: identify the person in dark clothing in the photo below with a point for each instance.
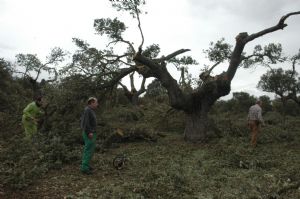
(88, 125)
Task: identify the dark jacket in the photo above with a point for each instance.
(88, 121)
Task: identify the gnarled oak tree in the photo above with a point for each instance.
(198, 103)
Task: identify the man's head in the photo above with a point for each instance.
(92, 102)
(38, 100)
(258, 102)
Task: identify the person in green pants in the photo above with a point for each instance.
(31, 115)
(88, 125)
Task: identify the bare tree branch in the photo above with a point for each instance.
(253, 55)
(139, 25)
(142, 89)
(132, 81)
(124, 87)
(205, 76)
(159, 71)
(280, 25)
(55, 76)
(243, 38)
(57, 55)
(23, 73)
(119, 75)
(39, 71)
(174, 54)
(117, 59)
(125, 63)
(123, 41)
(213, 66)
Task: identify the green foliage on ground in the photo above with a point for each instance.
(171, 168)
(157, 166)
(226, 167)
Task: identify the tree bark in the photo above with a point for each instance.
(197, 121)
(196, 126)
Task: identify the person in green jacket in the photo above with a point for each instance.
(88, 125)
(31, 116)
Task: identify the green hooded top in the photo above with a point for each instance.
(32, 111)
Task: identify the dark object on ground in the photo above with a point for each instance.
(119, 161)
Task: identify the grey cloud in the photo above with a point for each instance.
(247, 9)
(234, 16)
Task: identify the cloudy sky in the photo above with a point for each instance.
(36, 26)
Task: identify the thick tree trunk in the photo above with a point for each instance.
(135, 99)
(196, 126)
